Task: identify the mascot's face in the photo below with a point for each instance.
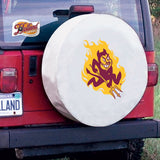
(105, 61)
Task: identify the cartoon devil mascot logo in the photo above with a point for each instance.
(101, 71)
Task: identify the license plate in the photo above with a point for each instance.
(11, 104)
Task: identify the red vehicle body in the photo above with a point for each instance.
(38, 110)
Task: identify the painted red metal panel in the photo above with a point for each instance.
(37, 108)
(34, 97)
(33, 118)
(146, 106)
(150, 57)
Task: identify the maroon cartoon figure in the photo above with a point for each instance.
(103, 70)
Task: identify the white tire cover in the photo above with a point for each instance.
(94, 69)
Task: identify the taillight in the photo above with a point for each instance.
(8, 80)
(76, 10)
(152, 74)
(82, 8)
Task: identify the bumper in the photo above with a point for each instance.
(78, 134)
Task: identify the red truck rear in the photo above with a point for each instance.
(28, 119)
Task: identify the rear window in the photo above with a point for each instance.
(41, 11)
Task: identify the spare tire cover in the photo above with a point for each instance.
(94, 69)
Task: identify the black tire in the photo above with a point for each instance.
(105, 155)
(135, 149)
(133, 152)
(8, 154)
